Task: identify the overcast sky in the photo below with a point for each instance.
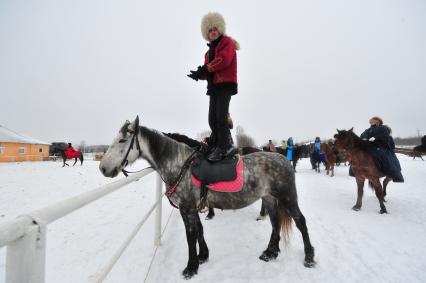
(76, 70)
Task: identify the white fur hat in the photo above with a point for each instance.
(212, 20)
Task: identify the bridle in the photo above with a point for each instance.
(125, 161)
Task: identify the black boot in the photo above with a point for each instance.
(217, 154)
(231, 151)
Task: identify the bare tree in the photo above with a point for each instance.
(244, 140)
(204, 134)
(82, 146)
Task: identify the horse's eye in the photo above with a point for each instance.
(122, 140)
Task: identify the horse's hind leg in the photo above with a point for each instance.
(263, 213)
(273, 247)
(203, 254)
(192, 224)
(360, 185)
(299, 219)
(385, 184)
(75, 161)
(379, 194)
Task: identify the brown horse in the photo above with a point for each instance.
(343, 157)
(330, 155)
(363, 166)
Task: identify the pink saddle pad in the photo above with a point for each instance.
(228, 186)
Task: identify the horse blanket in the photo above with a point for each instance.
(224, 176)
(72, 153)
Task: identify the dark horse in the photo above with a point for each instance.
(64, 157)
(419, 150)
(363, 166)
(316, 159)
(266, 175)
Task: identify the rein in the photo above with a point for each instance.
(173, 186)
(125, 161)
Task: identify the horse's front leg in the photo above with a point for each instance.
(75, 161)
(190, 219)
(211, 214)
(360, 185)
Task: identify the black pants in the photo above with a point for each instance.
(218, 111)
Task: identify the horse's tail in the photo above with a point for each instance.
(284, 222)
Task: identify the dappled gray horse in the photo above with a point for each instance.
(266, 175)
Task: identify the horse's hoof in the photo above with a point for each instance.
(356, 208)
(309, 263)
(383, 211)
(204, 210)
(268, 255)
(187, 273)
(209, 217)
(260, 217)
(203, 258)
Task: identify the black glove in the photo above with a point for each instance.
(199, 73)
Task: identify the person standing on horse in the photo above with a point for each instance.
(383, 150)
(220, 71)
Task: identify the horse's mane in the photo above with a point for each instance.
(360, 143)
(184, 139)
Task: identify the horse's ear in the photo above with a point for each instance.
(136, 122)
(351, 129)
(338, 131)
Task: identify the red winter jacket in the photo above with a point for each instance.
(224, 64)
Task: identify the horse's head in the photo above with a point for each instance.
(344, 139)
(124, 150)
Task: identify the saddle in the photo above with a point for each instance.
(223, 176)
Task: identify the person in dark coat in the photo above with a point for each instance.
(383, 150)
(220, 71)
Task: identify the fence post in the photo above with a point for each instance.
(157, 237)
(26, 257)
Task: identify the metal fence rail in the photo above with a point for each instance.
(25, 237)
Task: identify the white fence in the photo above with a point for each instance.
(25, 237)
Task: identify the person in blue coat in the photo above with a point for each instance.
(290, 149)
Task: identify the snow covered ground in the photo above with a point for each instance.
(350, 246)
